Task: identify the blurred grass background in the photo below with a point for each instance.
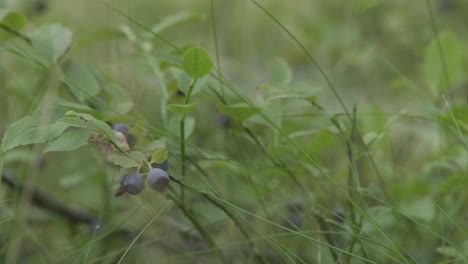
(376, 53)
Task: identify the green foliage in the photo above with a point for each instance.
(51, 42)
(239, 111)
(70, 140)
(12, 19)
(160, 154)
(180, 108)
(197, 62)
(328, 132)
(39, 127)
(442, 62)
(89, 122)
(123, 161)
(81, 81)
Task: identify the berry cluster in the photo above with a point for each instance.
(133, 183)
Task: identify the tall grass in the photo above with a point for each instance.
(301, 179)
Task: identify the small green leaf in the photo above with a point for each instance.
(52, 41)
(180, 108)
(159, 155)
(12, 19)
(433, 67)
(450, 252)
(71, 139)
(189, 126)
(71, 113)
(137, 156)
(197, 62)
(159, 143)
(382, 217)
(372, 137)
(184, 80)
(421, 209)
(239, 111)
(280, 72)
(81, 81)
(123, 161)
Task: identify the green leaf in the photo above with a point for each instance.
(71, 139)
(81, 81)
(421, 209)
(450, 252)
(197, 62)
(180, 108)
(280, 72)
(11, 25)
(372, 137)
(12, 19)
(159, 155)
(137, 156)
(123, 161)
(239, 111)
(26, 131)
(382, 217)
(89, 122)
(189, 126)
(159, 143)
(51, 41)
(39, 127)
(184, 80)
(433, 67)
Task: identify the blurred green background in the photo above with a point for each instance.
(396, 169)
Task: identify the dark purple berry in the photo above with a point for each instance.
(338, 216)
(293, 221)
(38, 6)
(121, 127)
(158, 179)
(163, 165)
(223, 121)
(132, 183)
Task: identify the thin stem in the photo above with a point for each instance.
(15, 32)
(182, 138)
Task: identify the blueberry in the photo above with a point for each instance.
(294, 221)
(163, 165)
(338, 216)
(223, 121)
(158, 179)
(39, 7)
(132, 183)
(121, 127)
